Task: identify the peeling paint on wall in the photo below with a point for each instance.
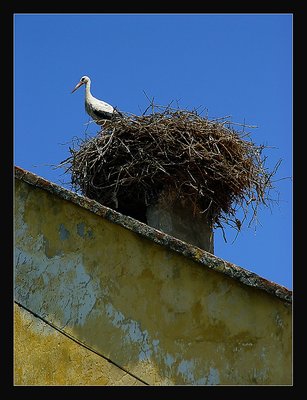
(64, 233)
(76, 292)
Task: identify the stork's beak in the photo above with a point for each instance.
(77, 86)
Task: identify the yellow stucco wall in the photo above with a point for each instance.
(50, 358)
(155, 313)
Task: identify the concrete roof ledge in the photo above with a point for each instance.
(194, 253)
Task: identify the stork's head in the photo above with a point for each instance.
(83, 81)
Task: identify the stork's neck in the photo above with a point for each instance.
(88, 93)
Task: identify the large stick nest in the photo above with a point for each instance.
(172, 154)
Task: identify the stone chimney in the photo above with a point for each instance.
(178, 220)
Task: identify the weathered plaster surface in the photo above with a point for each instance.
(175, 219)
(194, 253)
(162, 315)
(43, 356)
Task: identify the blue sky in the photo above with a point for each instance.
(229, 64)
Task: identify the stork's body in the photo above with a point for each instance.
(97, 109)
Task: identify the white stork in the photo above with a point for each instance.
(97, 109)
